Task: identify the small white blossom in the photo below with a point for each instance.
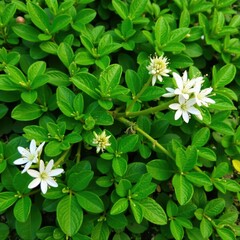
(201, 97)
(44, 176)
(185, 108)
(29, 156)
(158, 68)
(101, 140)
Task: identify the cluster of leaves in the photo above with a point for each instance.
(73, 67)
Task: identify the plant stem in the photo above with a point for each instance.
(146, 135)
(62, 158)
(138, 95)
(151, 110)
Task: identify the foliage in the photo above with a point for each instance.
(83, 89)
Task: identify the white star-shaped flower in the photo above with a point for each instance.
(44, 176)
(185, 87)
(101, 140)
(158, 68)
(201, 96)
(185, 108)
(29, 156)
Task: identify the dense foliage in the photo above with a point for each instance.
(119, 119)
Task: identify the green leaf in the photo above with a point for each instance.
(180, 61)
(153, 212)
(84, 16)
(162, 31)
(199, 179)
(107, 46)
(35, 70)
(160, 169)
(79, 181)
(90, 202)
(118, 221)
(127, 143)
(53, 5)
(120, 206)
(136, 210)
(29, 97)
(38, 17)
(152, 93)
(123, 187)
(69, 215)
(224, 76)
(201, 137)
(220, 170)
(99, 115)
(26, 112)
(58, 78)
(100, 231)
(65, 53)
(65, 99)
(119, 165)
(176, 229)
(121, 8)
(28, 229)
(109, 79)
(7, 199)
(38, 133)
(183, 189)
(4, 230)
(86, 82)
(178, 34)
(137, 8)
(226, 234)
(9, 12)
(206, 228)
(53, 148)
(222, 102)
(60, 22)
(214, 207)
(22, 209)
(49, 47)
(84, 58)
(183, 160)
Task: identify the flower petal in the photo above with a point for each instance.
(175, 106)
(178, 80)
(178, 114)
(55, 172)
(49, 166)
(20, 161)
(32, 147)
(41, 166)
(185, 116)
(34, 183)
(33, 173)
(51, 182)
(27, 166)
(23, 151)
(44, 186)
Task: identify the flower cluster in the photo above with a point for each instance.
(158, 68)
(101, 141)
(190, 96)
(45, 175)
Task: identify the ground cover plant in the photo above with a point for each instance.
(119, 119)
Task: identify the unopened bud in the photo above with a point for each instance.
(20, 19)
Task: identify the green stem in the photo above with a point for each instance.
(78, 154)
(146, 135)
(62, 158)
(150, 110)
(138, 95)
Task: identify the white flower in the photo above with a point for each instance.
(102, 141)
(158, 68)
(201, 97)
(44, 176)
(29, 156)
(185, 108)
(185, 87)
